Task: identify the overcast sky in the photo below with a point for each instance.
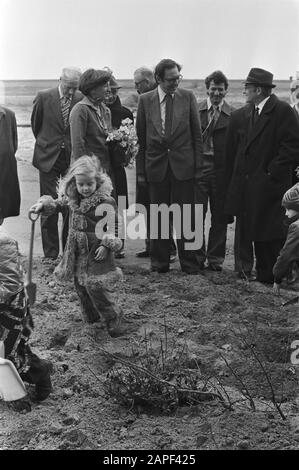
(39, 37)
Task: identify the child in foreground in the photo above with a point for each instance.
(16, 322)
(89, 253)
(289, 255)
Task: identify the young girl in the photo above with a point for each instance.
(88, 256)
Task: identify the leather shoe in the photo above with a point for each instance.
(172, 257)
(247, 276)
(142, 254)
(214, 267)
(119, 255)
(154, 269)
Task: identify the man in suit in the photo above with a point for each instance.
(52, 150)
(169, 157)
(214, 115)
(144, 81)
(262, 147)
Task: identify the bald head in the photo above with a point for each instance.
(69, 80)
(144, 80)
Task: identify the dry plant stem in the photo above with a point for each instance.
(274, 401)
(247, 395)
(169, 384)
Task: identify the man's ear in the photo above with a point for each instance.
(258, 90)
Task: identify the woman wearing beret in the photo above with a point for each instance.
(90, 119)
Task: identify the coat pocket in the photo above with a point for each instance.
(41, 143)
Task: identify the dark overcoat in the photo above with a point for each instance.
(117, 154)
(259, 163)
(48, 128)
(219, 134)
(9, 183)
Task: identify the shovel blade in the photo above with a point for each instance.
(11, 384)
(31, 292)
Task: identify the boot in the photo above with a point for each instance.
(39, 374)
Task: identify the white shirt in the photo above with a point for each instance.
(262, 104)
(162, 101)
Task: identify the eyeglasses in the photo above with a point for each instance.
(174, 79)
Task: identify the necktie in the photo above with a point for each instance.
(255, 115)
(213, 120)
(65, 110)
(168, 114)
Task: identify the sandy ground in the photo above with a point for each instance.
(236, 338)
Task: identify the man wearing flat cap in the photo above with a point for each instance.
(262, 148)
(52, 150)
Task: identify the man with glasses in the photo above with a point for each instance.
(262, 147)
(169, 159)
(144, 81)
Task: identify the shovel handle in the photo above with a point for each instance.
(33, 216)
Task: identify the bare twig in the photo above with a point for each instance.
(247, 395)
(204, 395)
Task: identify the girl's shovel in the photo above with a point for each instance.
(29, 285)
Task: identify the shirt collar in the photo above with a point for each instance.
(61, 95)
(209, 104)
(262, 104)
(162, 94)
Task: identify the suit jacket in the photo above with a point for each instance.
(48, 129)
(9, 183)
(183, 149)
(259, 163)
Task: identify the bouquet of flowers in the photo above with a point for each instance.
(126, 138)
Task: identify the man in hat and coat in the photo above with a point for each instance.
(52, 150)
(262, 148)
(9, 183)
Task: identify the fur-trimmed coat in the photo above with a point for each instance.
(92, 224)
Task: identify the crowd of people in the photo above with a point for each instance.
(239, 162)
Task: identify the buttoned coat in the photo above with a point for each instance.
(259, 162)
(182, 150)
(48, 128)
(218, 136)
(9, 182)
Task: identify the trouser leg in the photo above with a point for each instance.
(88, 310)
(243, 248)
(159, 246)
(218, 229)
(202, 192)
(266, 255)
(182, 195)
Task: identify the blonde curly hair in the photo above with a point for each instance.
(84, 165)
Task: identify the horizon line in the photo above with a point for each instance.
(124, 79)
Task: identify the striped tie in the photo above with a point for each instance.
(65, 110)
